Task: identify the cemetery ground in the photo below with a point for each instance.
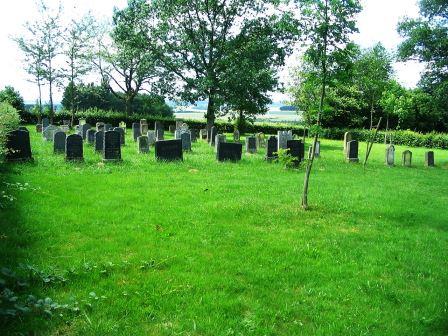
(207, 248)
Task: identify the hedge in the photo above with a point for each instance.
(9, 121)
(406, 138)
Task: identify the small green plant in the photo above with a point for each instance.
(286, 159)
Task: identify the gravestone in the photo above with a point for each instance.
(73, 148)
(45, 123)
(172, 128)
(296, 150)
(99, 141)
(429, 159)
(23, 128)
(64, 128)
(347, 138)
(219, 138)
(261, 142)
(316, 151)
(158, 126)
(169, 150)
(390, 155)
(251, 144)
(90, 136)
(236, 136)
(59, 142)
(136, 130)
(48, 132)
(352, 151)
(272, 148)
(122, 135)
(18, 146)
(111, 146)
(143, 126)
(185, 137)
(203, 134)
(39, 128)
(81, 122)
(177, 134)
(83, 130)
(122, 124)
(108, 127)
(212, 138)
(194, 135)
(67, 122)
(282, 139)
(143, 144)
(160, 134)
(143, 121)
(229, 151)
(407, 158)
(99, 126)
(151, 138)
(178, 124)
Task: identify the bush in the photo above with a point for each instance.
(9, 121)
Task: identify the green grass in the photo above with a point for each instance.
(208, 248)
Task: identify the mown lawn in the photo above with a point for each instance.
(208, 248)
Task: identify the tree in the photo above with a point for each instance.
(126, 63)
(78, 43)
(426, 40)
(13, 98)
(201, 42)
(327, 26)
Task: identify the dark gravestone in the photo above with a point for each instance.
(108, 127)
(352, 151)
(143, 144)
(203, 134)
(90, 136)
(295, 150)
(122, 134)
(73, 148)
(229, 151)
(99, 141)
(83, 130)
(429, 159)
(18, 146)
(158, 126)
(59, 142)
(251, 144)
(219, 138)
(185, 137)
(172, 128)
(213, 133)
(236, 136)
(39, 128)
(194, 135)
(45, 123)
(407, 158)
(169, 150)
(136, 130)
(111, 146)
(23, 128)
(272, 148)
(160, 134)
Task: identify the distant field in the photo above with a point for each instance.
(218, 249)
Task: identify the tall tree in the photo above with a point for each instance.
(327, 26)
(199, 41)
(126, 64)
(78, 40)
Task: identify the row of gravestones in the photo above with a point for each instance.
(351, 149)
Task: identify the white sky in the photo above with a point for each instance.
(376, 23)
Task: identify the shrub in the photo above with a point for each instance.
(9, 121)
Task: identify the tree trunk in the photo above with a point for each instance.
(39, 117)
(210, 113)
(50, 83)
(371, 113)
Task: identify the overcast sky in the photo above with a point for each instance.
(376, 23)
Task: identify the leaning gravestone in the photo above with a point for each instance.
(48, 132)
(219, 138)
(212, 138)
(251, 144)
(99, 141)
(236, 136)
(39, 128)
(122, 135)
(169, 150)
(73, 148)
(111, 146)
(229, 151)
(18, 146)
(295, 150)
(390, 155)
(407, 158)
(143, 144)
(185, 137)
(59, 142)
(45, 123)
(429, 159)
(90, 136)
(283, 137)
(83, 130)
(151, 138)
(272, 148)
(136, 130)
(352, 151)
(347, 138)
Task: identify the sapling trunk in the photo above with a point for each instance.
(370, 143)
